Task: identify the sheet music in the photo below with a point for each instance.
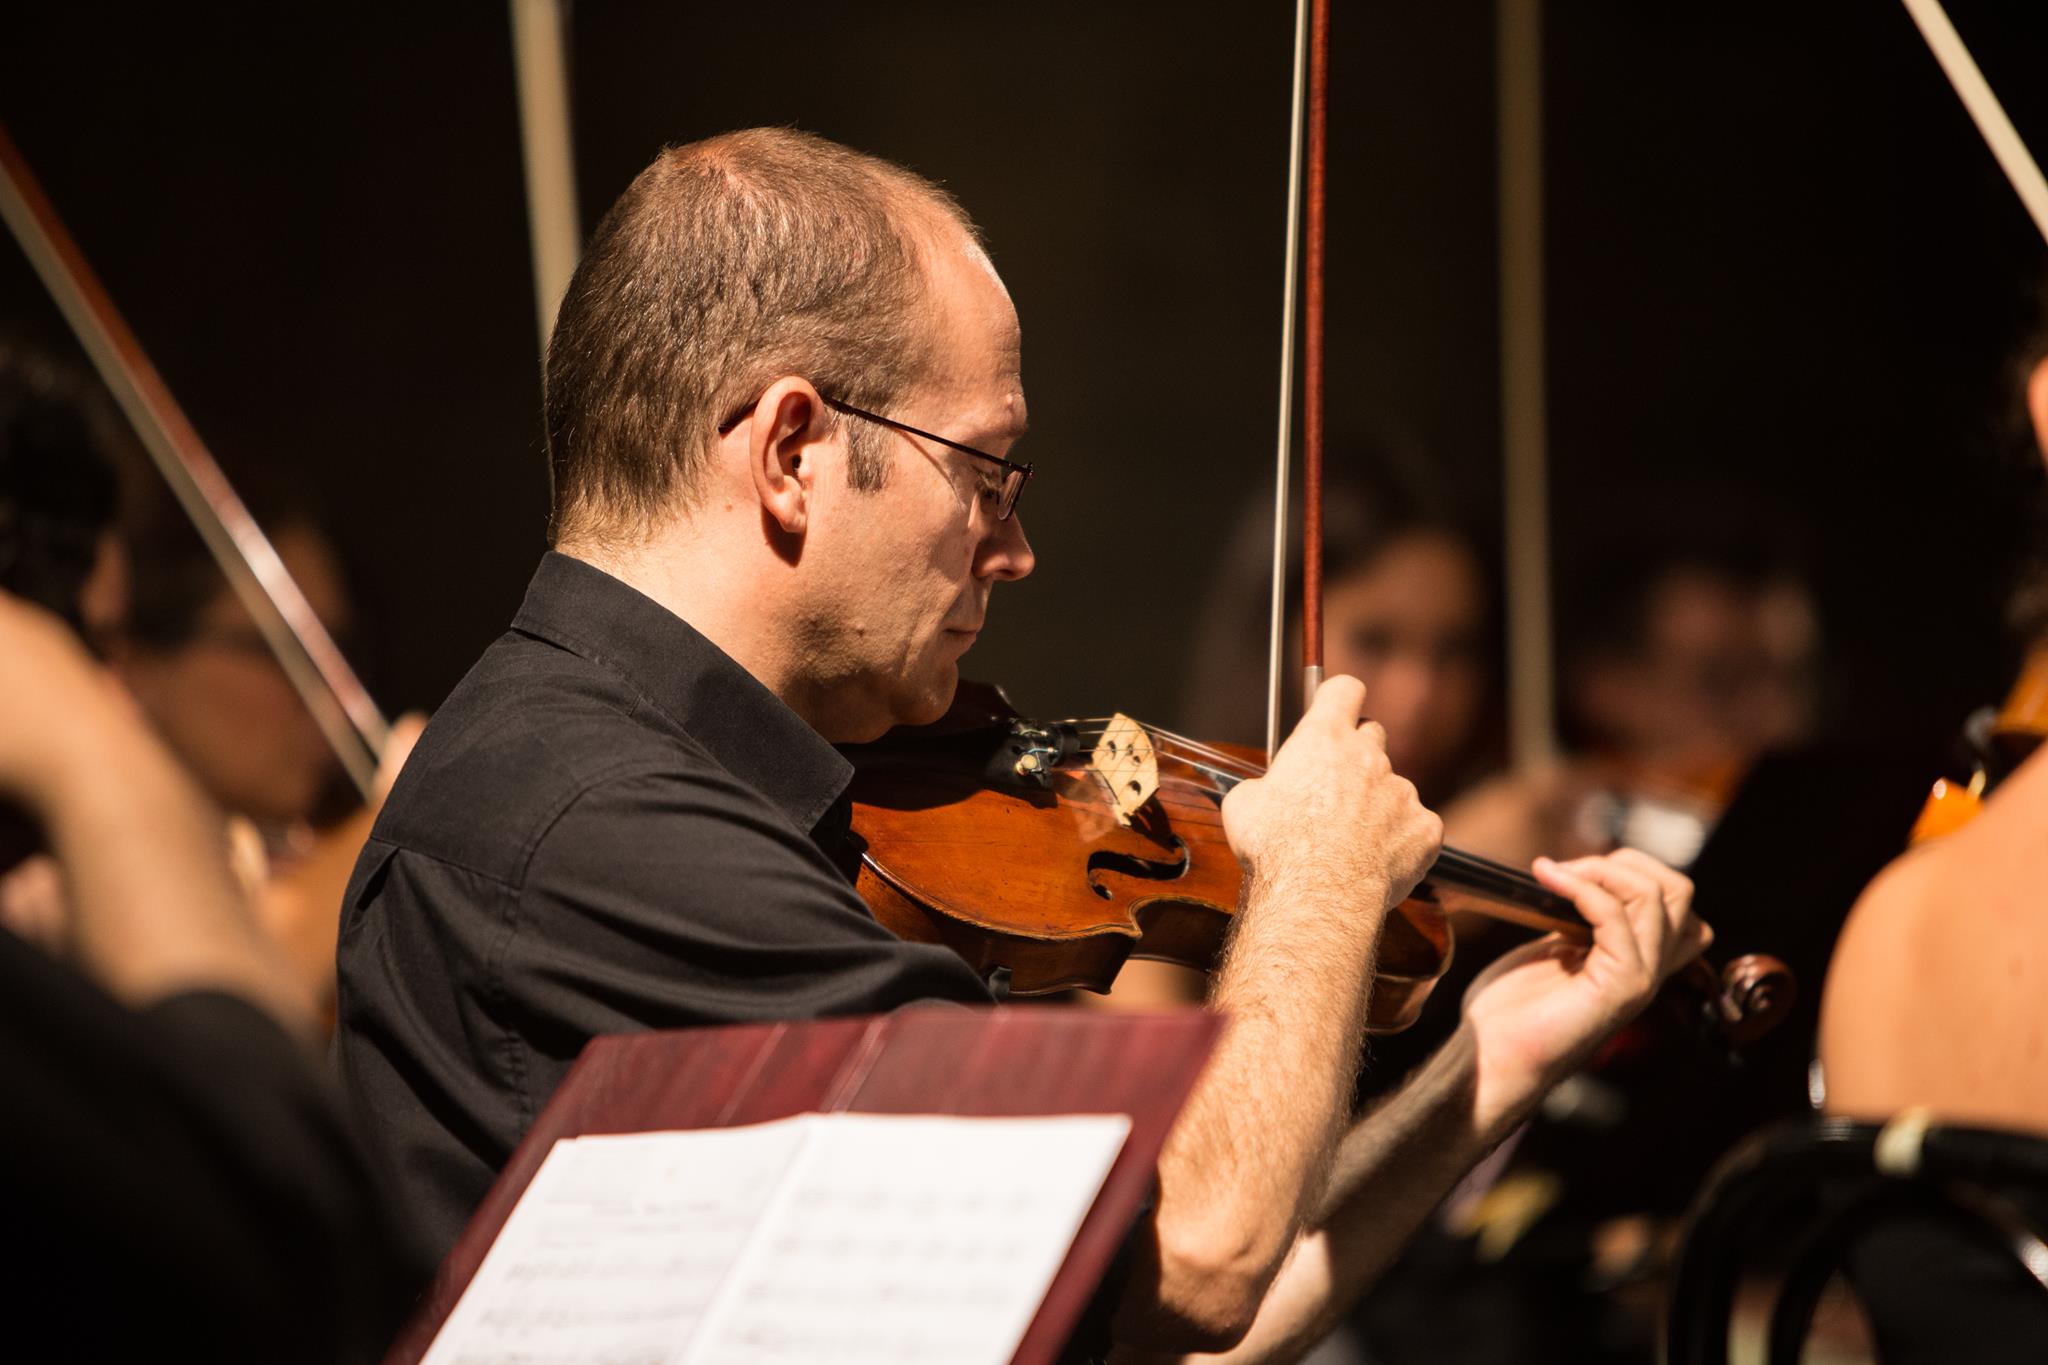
(910, 1240)
(849, 1237)
(616, 1248)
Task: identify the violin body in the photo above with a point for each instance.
(990, 834)
(1030, 870)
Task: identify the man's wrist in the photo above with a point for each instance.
(1336, 930)
(1297, 891)
(1504, 1089)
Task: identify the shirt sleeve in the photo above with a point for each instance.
(666, 900)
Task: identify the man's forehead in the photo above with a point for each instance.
(978, 326)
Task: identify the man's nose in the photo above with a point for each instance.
(1005, 553)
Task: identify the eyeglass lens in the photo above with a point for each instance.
(1013, 488)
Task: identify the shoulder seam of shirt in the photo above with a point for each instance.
(569, 642)
(635, 767)
(574, 643)
(494, 962)
(513, 924)
(623, 771)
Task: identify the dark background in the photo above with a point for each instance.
(1779, 259)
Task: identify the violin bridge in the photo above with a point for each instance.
(1125, 761)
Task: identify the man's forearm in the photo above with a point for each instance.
(1390, 1173)
(1532, 1017)
(1244, 1166)
(1399, 1161)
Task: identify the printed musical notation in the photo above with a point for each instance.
(851, 1237)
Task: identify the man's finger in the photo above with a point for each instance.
(1613, 929)
(1640, 895)
(1677, 886)
(1632, 887)
(1338, 703)
(1689, 936)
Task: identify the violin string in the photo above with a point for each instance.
(1096, 727)
(1242, 767)
(1184, 746)
(1201, 757)
(1179, 746)
(1202, 768)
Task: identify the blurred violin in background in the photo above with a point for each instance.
(1994, 742)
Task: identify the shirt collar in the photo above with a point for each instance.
(701, 688)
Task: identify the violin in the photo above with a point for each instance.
(1047, 854)
(1994, 743)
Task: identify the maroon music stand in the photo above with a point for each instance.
(991, 1063)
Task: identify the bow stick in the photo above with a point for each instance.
(1986, 112)
(1311, 74)
(338, 701)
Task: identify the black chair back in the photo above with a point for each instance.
(1799, 1199)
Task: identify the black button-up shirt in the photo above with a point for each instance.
(609, 825)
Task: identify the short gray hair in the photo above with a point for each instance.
(726, 263)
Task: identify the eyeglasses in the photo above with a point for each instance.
(1015, 475)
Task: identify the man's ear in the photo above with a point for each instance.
(2037, 404)
(784, 439)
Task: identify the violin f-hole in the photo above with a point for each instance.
(1131, 865)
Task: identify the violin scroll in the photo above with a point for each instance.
(1746, 999)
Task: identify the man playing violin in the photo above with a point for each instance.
(782, 397)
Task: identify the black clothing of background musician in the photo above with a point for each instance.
(609, 826)
(180, 1185)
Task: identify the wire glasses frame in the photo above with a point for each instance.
(1015, 475)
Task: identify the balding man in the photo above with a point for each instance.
(781, 399)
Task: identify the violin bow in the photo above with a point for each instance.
(312, 661)
(2010, 150)
(540, 61)
(1312, 79)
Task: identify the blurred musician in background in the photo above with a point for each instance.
(1937, 1001)
(1408, 609)
(1936, 994)
(181, 1183)
(201, 670)
(189, 652)
(86, 531)
(1690, 648)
